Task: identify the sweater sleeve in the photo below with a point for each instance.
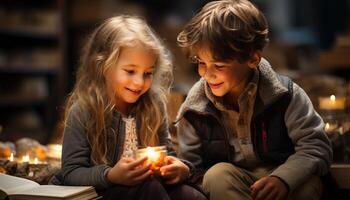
(313, 152)
(76, 151)
(189, 143)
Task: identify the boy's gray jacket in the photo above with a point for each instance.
(77, 165)
(286, 130)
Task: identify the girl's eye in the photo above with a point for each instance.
(148, 74)
(129, 71)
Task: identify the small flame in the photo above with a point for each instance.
(151, 154)
(11, 157)
(327, 126)
(25, 158)
(332, 98)
(36, 161)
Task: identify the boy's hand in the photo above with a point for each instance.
(129, 172)
(174, 171)
(269, 188)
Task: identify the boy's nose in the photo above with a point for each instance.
(208, 74)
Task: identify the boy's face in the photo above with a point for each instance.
(223, 77)
(131, 77)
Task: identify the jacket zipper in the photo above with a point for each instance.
(222, 127)
(264, 137)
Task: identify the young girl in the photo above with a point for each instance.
(116, 106)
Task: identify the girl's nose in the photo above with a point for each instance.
(138, 80)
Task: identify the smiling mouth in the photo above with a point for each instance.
(134, 91)
(215, 86)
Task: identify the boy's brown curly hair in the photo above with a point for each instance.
(231, 29)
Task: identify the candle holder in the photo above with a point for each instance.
(332, 102)
(155, 156)
(337, 128)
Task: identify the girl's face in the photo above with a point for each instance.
(131, 77)
(223, 77)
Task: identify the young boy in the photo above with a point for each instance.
(251, 133)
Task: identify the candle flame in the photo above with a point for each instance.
(151, 154)
(36, 161)
(327, 126)
(11, 157)
(25, 158)
(332, 97)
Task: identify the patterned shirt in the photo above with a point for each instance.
(130, 142)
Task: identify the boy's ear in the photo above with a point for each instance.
(255, 59)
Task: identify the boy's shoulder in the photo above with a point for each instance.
(271, 85)
(196, 99)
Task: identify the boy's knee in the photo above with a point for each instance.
(219, 170)
(220, 175)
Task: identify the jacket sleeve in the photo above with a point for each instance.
(189, 143)
(164, 138)
(313, 152)
(76, 151)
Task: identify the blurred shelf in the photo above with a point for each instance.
(33, 55)
(22, 101)
(30, 70)
(29, 33)
(335, 59)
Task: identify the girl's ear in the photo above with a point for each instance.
(255, 59)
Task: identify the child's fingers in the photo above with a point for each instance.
(169, 175)
(126, 160)
(166, 168)
(140, 171)
(137, 162)
(169, 159)
(139, 179)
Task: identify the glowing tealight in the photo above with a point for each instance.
(332, 97)
(11, 157)
(25, 158)
(326, 127)
(151, 154)
(332, 102)
(155, 156)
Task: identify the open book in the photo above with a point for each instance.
(16, 188)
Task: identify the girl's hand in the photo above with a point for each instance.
(174, 171)
(269, 187)
(129, 172)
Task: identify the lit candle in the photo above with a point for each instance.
(155, 156)
(151, 154)
(36, 161)
(326, 128)
(54, 151)
(11, 157)
(25, 158)
(332, 103)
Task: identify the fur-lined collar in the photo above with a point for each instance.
(269, 90)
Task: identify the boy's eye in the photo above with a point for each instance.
(194, 59)
(220, 67)
(201, 63)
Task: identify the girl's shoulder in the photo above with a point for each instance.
(77, 112)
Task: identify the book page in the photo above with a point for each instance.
(55, 191)
(12, 184)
